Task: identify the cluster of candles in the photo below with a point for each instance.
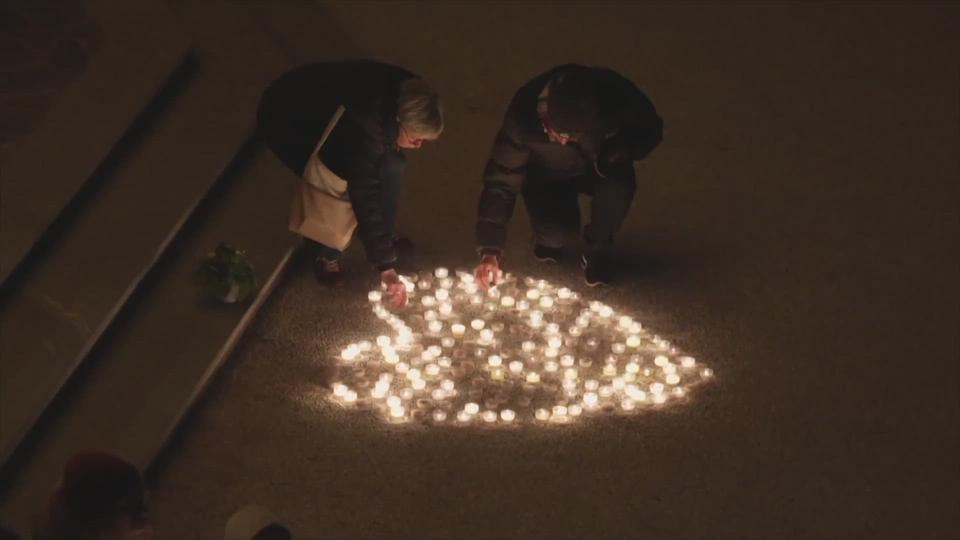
(523, 351)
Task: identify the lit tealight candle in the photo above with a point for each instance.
(606, 312)
(546, 302)
(428, 301)
(571, 373)
(550, 366)
(507, 415)
(533, 294)
(673, 379)
(618, 348)
(494, 360)
(564, 293)
(679, 392)
(523, 305)
(627, 404)
(687, 362)
(441, 272)
(706, 373)
(448, 341)
(374, 296)
(590, 399)
(419, 384)
(471, 408)
(394, 401)
(435, 326)
(397, 412)
(464, 416)
(656, 388)
(516, 366)
(634, 341)
(438, 394)
(533, 377)
(432, 370)
(605, 391)
(625, 322)
(560, 410)
(507, 301)
(489, 416)
(447, 385)
(554, 342)
(486, 334)
(439, 415)
(442, 294)
(567, 360)
(458, 329)
(542, 414)
(632, 367)
(574, 410)
(446, 309)
(528, 346)
(661, 361)
(477, 324)
(536, 317)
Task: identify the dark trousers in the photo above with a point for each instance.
(391, 176)
(551, 202)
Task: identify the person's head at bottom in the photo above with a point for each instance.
(100, 497)
(419, 114)
(254, 522)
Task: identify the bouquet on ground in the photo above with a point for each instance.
(227, 275)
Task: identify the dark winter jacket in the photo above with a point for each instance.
(296, 108)
(630, 129)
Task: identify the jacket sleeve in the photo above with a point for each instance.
(357, 145)
(642, 128)
(502, 178)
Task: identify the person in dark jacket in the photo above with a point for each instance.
(370, 112)
(574, 129)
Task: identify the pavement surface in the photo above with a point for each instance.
(797, 231)
(43, 46)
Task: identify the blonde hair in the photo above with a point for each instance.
(419, 109)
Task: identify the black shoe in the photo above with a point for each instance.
(327, 271)
(547, 254)
(597, 271)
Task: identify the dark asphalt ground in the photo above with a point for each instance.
(797, 231)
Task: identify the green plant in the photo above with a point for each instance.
(227, 275)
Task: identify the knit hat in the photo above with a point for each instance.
(250, 521)
(96, 484)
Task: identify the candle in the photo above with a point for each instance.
(536, 317)
(489, 416)
(523, 305)
(507, 301)
(618, 348)
(669, 369)
(494, 360)
(432, 370)
(430, 315)
(619, 384)
(402, 367)
(463, 416)
(393, 402)
(673, 379)
(449, 341)
(528, 346)
(574, 410)
(606, 312)
(419, 384)
(476, 300)
(447, 385)
(659, 398)
(438, 394)
(496, 374)
(439, 415)
(661, 361)
(507, 415)
(446, 309)
(591, 384)
(428, 301)
(435, 326)
(679, 392)
(441, 272)
(533, 294)
(633, 341)
(706, 373)
(541, 414)
(551, 366)
(567, 360)
(546, 302)
(533, 377)
(590, 399)
(625, 322)
(443, 294)
(477, 324)
(571, 373)
(564, 293)
(471, 408)
(397, 412)
(374, 296)
(559, 410)
(516, 366)
(627, 404)
(486, 334)
(656, 388)
(687, 362)
(383, 341)
(350, 353)
(458, 329)
(446, 283)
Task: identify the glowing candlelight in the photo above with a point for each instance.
(546, 302)
(633, 341)
(661, 361)
(533, 377)
(618, 348)
(528, 346)
(428, 301)
(533, 294)
(542, 414)
(464, 416)
(590, 399)
(516, 366)
(443, 295)
(550, 366)
(494, 360)
(673, 379)
(687, 362)
(471, 408)
(567, 360)
(489, 416)
(706, 373)
(435, 326)
(374, 296)
(458, 329)
(507, 301)
(564, 293)
(441, 272)
(486, 334)
(627, 404)
(439, 415)
(477, 324)
(446, 309)
(507, 415)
